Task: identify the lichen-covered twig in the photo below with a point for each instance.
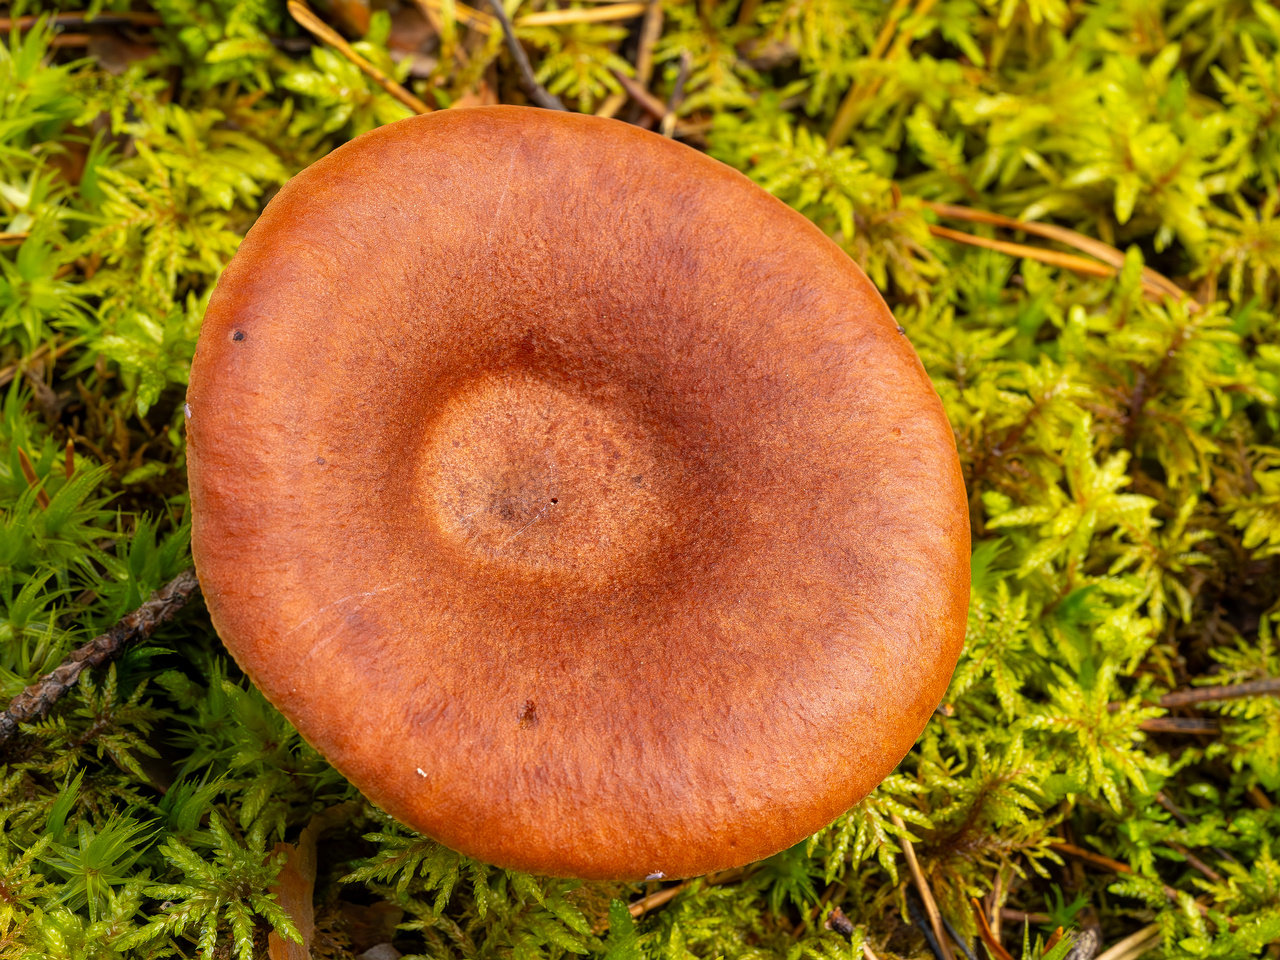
(532, 88)
(35, 702)
(322, 31)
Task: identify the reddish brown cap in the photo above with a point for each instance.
(581, 502)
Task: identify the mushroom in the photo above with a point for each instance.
(582, 503)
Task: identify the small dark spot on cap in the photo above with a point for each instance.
(238, 336)
(528, 715)
(320, 460)
(555, 500)
(637, 480)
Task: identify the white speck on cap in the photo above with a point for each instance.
(186, 408)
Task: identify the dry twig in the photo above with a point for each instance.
(1254, 688)
(322, 31)
(650, 31)
(1106, 863)
(667, 894)
(35, 702)
(651, 104)
(82, 19)
(1196, 862)
(668, 126)
(532, 88)
(1180, 725)
(926, 895)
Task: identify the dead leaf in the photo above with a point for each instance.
(295, 885)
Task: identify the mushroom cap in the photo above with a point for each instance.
(581, 502)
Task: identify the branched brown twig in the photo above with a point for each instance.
(35, 702)
(532, 88)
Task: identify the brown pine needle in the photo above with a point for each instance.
(926, 895)
(322, 31)
(69, 465)
(13, 238)
(1071, 238)
(610, 11)
(1068, 261)
(35, 702)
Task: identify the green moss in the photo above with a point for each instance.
(1122, 458)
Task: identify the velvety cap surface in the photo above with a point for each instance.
(581, 502)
